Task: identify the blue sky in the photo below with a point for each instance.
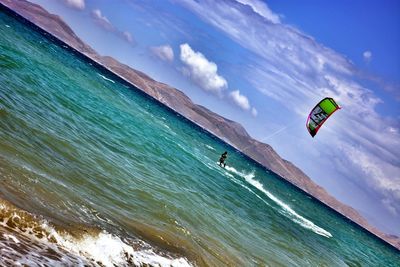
(265, 64)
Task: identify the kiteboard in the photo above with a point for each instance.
(221, 165)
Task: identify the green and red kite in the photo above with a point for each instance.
(320, 113)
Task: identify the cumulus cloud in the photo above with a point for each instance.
(240, 100)
(201, 71)
(367, 56)
(163, 52)
(204, 73)
(78, 4)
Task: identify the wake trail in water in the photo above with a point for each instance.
(105, 78)
(286, 210)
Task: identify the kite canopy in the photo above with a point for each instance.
(320, 113)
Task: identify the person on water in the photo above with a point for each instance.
(222, 159)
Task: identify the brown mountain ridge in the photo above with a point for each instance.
(229, 131)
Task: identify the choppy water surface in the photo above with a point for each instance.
(95, 173)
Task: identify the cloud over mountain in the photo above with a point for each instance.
(78, 4)
(201, 71)
(105, 23)
(240, 100)
(163, 52)
(102, 20)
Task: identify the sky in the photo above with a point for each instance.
(266, 64)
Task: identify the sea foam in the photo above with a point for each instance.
(19, 228)
(110, 250)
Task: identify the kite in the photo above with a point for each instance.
(319, 114)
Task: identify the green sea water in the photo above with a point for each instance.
(93, 172)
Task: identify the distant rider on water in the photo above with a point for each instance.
(222, 159)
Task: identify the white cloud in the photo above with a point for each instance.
(392, 130)
(254, 112)
(105, 23)
(262, 9)
(128, 37)
(163, 52)
(283, 45)
(240, 100)
(202, 71)
(382, 175)
(367, 56)
(78, 4)
(102, 20)
(390, 206)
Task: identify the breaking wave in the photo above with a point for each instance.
(31, 240)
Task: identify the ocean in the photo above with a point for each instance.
(95, 173)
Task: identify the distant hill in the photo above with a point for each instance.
(231, 132)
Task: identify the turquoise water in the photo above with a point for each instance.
(94, 172)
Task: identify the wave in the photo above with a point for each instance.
(26, 238)
(167, 126)
(210, 147)
(105, 78)
(286, 210)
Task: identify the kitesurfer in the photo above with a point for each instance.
(222, 159)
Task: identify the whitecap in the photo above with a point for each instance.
(210, 147)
